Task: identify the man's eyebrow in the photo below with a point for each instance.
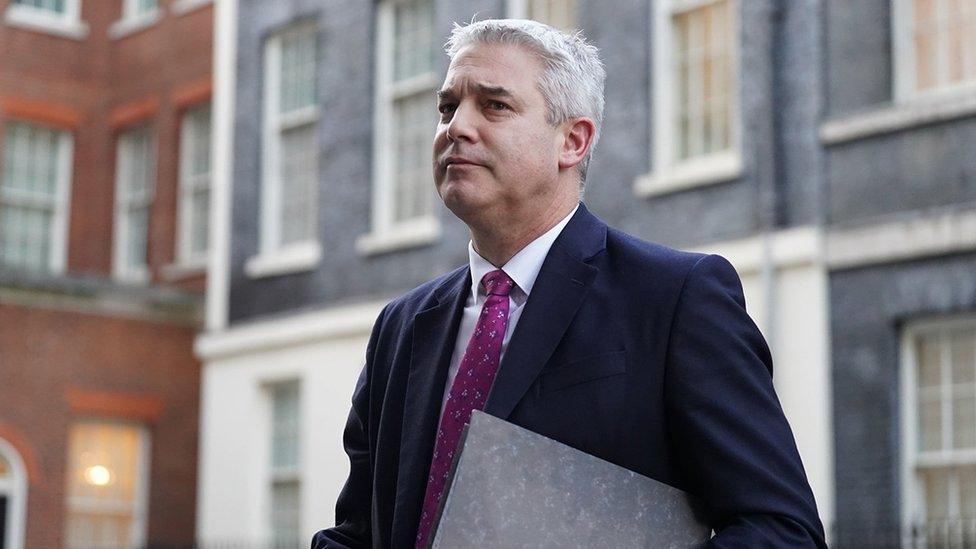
(483, 89)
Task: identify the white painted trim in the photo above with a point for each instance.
(787, 248)
(517, 9)
(668, 174)
(902, 239)
(293, 258)
(67, 25)
(59, 232)
(140, 524)
(16, 490)
(697, 172)
(222, 166)
(131, 24)
(416, 232)
(932, 109)
(180, 7)
(292, 331)
(186, 186)
(910, 489)
(178, 271)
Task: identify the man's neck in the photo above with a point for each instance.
(500, 243)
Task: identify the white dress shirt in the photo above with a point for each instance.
(522, 268)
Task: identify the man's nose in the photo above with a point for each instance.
(462, 125)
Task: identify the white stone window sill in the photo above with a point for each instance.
(131, 25)
(19, 15)
(179, 7)
(412, 234)
(921, 111)
(697, 172)
(293, 258)
(185, 269)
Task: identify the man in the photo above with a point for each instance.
(633, 352)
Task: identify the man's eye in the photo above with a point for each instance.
(444, 108)
(497, 106)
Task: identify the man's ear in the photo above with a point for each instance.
(577, 139)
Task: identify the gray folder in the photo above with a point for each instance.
(511, 487)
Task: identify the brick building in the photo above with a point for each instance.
(823, 146)
(104, 193)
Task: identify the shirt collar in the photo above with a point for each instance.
(523, 267)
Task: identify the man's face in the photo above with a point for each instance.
(494, 153)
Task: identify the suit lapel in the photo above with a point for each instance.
(558, 292)
(434, 332)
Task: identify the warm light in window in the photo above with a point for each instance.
(98, 475)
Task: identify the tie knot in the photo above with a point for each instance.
(497, 283)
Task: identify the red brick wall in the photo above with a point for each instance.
(90, 86)
(58, 366)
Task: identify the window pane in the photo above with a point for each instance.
(48, 5)
(285, 505)
(936, 484)
(299, 174)
(29, 194)
(414, 39)
(561, 14)
(929, 361)
(4, 467)
(962, 350)
(298, 70)
(930, 419)
(200, 211)
(104, 477)
(284, 433)
(967, 491)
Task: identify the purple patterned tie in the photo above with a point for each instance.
(469, 391)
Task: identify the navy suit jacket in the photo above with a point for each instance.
(630, 351)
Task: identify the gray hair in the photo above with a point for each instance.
(573, 75)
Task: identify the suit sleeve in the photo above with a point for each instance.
(732, 443)
(353, 513)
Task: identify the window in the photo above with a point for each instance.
(940, 428)
(61, 17)
(107, 485)
(13, 497)
(695, 100)
(289, 225)
(935, 46)
(34, 187)
(285, 498)
(136, 15)
(562, 14)
(194, 204)
(406, 118)
(134, 177)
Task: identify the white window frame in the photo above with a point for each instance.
(271, 474)
(66, 25)
(186, 258)
(274, 259)
(667, 173)
(912, 491)
(180, 7)
(903, 62)
(385, 234)
(15, 488)
(121, 269)
(140, 514)
(132, 21)
(57, 261)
